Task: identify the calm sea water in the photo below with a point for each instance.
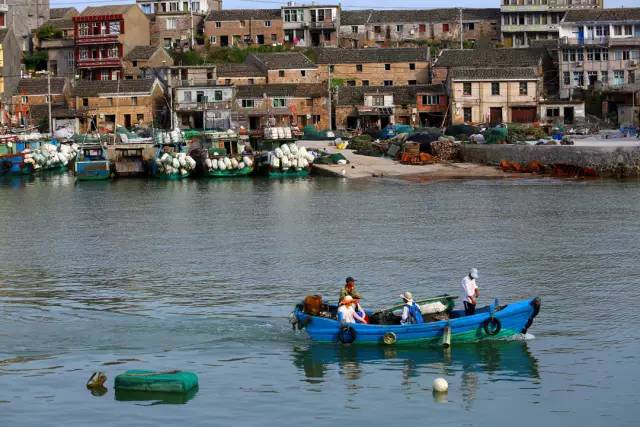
(202, 275)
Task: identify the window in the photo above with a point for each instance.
(359, 68)
(377, 29)
(83, 29)
(430, 99)
(377, 100)
(167, 43)
(134, 100)
(592, 77)
(242, 24)
(279, 102)
(388, 82)
(628, 30)
(274, 38)
(280, 73)
(187, 96)
(248, 103)
(495, 88)
(566, 78)
(604, 77)
(412, 66)
(213, 40)
(354, 29)
(195, 6)
(267, 23)
(618, 77)
(625, 55)
(227, 82)
(578, 78)
(172, 23)
(605, 54)
(114, 27)
(580, 54)
(387, 67)
(173, 7)
(351, 82)
(303, 73)
(218, 24)
(553, 112)
(632, 76)
(469, 26)
(217, 95)
(524, 88)
(365, 83)
(617, 30)
(331, 68)
(105, 75)
(109, 102)
(399, 28)
(250, 81)
(84, 53)
(422, 28)
(466, 113)
(25, 99)
(412, 82)
(85, 102)
(466, 88)
(445, 28)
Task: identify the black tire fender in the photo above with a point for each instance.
(492, 326)
(347, 334)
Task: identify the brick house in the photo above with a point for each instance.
(494, 95)
(34, 92)
(375, 66)
(59, 47)
(259, 106)
(104, 35)
(151, 7)
(240, 74)
(367, 107)
(101, 104)
(141, 59)
(202, 106)
(173, 29)
(311, 25)
(285, 67)
(243, 27)
(362, 28)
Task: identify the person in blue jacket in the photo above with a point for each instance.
(411, 313)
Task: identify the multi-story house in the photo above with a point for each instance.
(203, 106)
(10, 60)
(311, 25)
(162, 6)
(243, 27)
(259, 106)
(56, 38)
(142, 61)
(176, 29)
(285, 67)
(24, 16)
(494, 95)
(525, 20)
(601, 48)
(104, 35)
(374, 66)
(104, 104)
(364, 28)
(374, 107)
(33, 93)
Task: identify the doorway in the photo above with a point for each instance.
(127, 121)
(495, 115)
(569, 115)
(224, 41)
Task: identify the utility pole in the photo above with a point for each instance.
(461, 31)
(193, 43)
(49, 101)
(329, 98)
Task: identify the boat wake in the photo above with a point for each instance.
(522, 337)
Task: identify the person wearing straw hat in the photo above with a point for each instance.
(347, 313)
(411, 313)
(470, 292)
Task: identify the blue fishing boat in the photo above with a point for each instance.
(490, 322)
(92, 163)
(12, 160)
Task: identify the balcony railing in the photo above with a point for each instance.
(575, 41)
(201, 106)
(193, 82)
(530, 27)
(624, 41)
(99, 62)
(97, 39)
(322, 25)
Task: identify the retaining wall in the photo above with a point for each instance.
(606, 161)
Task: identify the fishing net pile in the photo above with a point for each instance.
(226, 163)
(291, 156)
(49, 156)
(175, 163)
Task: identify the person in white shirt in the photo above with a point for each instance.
(470, 292)
(346, 312)
(411, 313)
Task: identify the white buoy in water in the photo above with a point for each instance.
(440, 385)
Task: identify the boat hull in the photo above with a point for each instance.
(514, 319)
(15, 165)
(289, 173)
(97, 170)
(229, 173)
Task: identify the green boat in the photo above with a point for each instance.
(289, 173)
(229, 173)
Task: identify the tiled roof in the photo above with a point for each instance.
(238, 70)
(362, 17)
(369, 55)
(58, 111)
(243, 14)
(282, 60)
(141, 53)
(612, 14)
(504, 57)
(303, 90)
(87, 88)
(38, 86)
(61, 12)
(509, 73)
(66, 23)
(116, 9)
(354, 95)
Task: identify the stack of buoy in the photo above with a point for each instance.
(227, 163)
(48, 156)
(175, 163)
(291, 156)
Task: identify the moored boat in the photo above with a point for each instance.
(490, 322)
(12, 160)
(225, 155)
(172, 163)
(92, 163)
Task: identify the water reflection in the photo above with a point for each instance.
(496, 359)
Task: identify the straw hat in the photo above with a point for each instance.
(407, 296)
(347, 299)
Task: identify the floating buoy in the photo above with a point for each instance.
(440, 385)
(164, 381)
(96, 380)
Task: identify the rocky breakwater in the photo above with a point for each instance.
(603, 161)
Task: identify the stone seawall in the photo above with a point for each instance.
(606, 161)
